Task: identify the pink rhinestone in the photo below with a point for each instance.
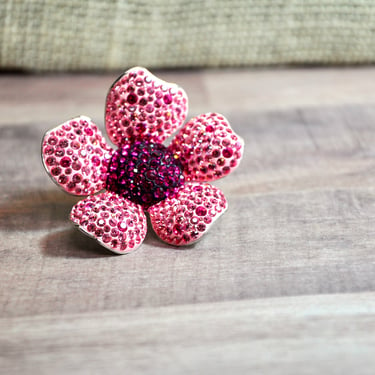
(132, 98)
(52, 140)
(201, 211)
(56, 171)
(65, 162)
(201, 227)
(106, 238)
(63, 179)
(63, 143)
(51, 160)
(91, 228)
(167, 99)
(227, 152)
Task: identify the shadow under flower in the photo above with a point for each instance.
(70, 243)
(49, 209)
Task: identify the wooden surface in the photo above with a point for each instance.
(282, 284)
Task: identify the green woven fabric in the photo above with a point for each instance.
(104, 35)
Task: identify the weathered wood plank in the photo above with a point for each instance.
(48, 99)
(326, 334)
(300, 227)
(300, 222)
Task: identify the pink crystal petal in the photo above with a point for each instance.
(208, 148)
(140, 106)
(115, 222)
(183, 219)
(76, 156)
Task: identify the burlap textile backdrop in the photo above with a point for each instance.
(105, 35)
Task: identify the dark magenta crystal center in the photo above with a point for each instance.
(144, 173)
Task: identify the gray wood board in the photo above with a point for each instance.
(299, 233)
(320, 334)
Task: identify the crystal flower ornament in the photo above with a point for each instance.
(142, 175)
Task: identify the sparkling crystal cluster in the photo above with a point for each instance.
(77, 156)
(140, 106)
(207, 147)
(189, 214)
(142, 175)
(118, 224)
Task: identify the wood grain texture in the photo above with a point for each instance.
(282, 284)
(290, 335)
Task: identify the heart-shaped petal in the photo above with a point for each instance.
(140, 106)
(116, 223)
(184, 219)
(76, 156)
(208, 148)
